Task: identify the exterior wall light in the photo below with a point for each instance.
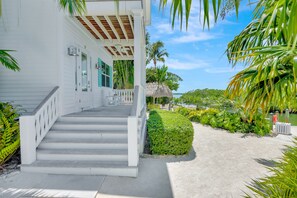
(73, 51)
(97, 66)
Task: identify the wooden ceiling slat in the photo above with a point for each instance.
(92, 27)
(102, 27)
(87, 27)
(117, 26)
(111, 28)
(131, 24)
(123, 29)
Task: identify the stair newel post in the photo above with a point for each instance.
(132, 141)
(28, 139)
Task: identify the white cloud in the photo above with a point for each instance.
(218, 70)
(162, 27)
(200, 36)
(186, 64)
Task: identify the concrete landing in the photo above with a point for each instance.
(43, 185)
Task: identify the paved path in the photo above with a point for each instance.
(219, 165)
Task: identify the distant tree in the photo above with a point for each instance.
(156, 53)
(161, 75)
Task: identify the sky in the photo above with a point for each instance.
(197, 55)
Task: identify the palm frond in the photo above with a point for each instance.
(8, 61)
(73, 6)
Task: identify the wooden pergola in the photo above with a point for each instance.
(115, 33)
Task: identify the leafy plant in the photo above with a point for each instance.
(9, 132)
(232, 121)
(169, 133)
(283, 180)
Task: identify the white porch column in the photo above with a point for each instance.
(138, 45)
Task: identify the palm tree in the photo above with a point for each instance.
(161, 75)
(267, 46)
(157, 53)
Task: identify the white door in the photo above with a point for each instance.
(84, 81)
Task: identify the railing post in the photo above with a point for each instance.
(28, 141)
(132, 141)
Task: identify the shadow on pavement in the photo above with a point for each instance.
(265, 162)
(153, 179)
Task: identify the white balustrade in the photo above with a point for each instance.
(126, 95)
(34, 127)
(133, 121)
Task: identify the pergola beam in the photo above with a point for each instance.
(123, 58)
(112, 27)
(132, 51)
(112, 51)
(122, 27)
(131, 24)
(92, 27)
(102, 27)
(114, 42)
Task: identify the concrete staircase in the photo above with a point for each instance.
(85, 146)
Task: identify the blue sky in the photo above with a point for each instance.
(197, 55)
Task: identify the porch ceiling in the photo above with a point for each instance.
(111, 31)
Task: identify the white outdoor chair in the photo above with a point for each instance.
(113, 100)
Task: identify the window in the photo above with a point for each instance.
(105, 76)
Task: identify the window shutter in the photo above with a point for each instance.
(110, 76)
(100, 73)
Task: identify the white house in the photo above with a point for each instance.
(73, 123)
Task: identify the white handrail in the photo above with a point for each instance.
(126, 95)
(34, 127)
(133, 129)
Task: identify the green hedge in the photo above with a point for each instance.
(169, 133)
(233, 122)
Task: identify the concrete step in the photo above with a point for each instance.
(81, 168)
(102, 120)
(83, 144)
(97, 134)
(83, 154)
(88, 126)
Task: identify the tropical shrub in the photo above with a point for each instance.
(9, 132)
(169, 133)
(152, 106)
(231, 121)
(283, 180)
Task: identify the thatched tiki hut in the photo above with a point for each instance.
(156, 90)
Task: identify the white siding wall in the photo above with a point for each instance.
(41, 34)
(76, 35)
(31, 28)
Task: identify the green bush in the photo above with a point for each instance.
(184, 111)
(169, 133)
(231, 121)
(152, 106)
(9, 132)
(283, 180)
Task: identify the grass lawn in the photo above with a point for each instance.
(293, 119)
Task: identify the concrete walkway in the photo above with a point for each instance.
(220, 165)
